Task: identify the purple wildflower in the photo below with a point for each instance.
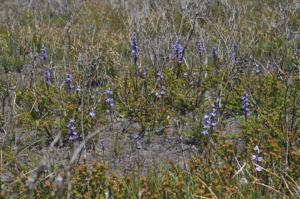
(162, 89)
(72, 133)
(210, 121)
(233, 54)
(274, 66)
(69, 82)
(159, 76)
(44, 55)
(179, 52)
(213, 115)
(47, 76)
(162, 92)
(206, 124)
(110, 100)
(256, 158)
(245, 104)
(214, 52)
(35, 57)
(91, 114)
(109, 92)
(200, 47)
(256, 68)
(134, 48)
(258, 168)
(78, 89)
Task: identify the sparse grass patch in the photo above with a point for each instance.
(147, 99)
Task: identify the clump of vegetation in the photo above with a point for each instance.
(146, 99)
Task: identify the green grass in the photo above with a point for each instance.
(91, 40)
